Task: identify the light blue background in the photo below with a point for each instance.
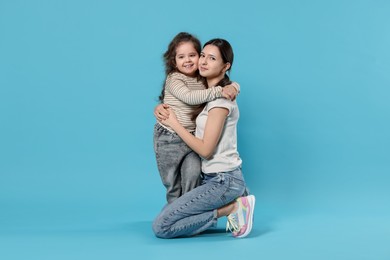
(78, 84)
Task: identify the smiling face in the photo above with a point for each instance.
(187, 59)
(211, 64)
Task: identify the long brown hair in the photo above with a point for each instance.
(170, 55)
(227, 55)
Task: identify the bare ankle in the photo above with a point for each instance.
(227, 209)
(234, 208)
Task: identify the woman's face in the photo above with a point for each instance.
(211, 64)
(187, 59)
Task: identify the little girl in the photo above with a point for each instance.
(185, 93)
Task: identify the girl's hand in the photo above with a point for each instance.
(161, 112)
(229, 92)
(171, 120)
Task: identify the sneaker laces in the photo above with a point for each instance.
(232, 223)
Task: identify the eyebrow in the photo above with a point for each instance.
(209, 54)
(177, 54)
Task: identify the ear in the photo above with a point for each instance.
(227, 66)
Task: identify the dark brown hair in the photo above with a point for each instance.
(227, 55)
(170, 54)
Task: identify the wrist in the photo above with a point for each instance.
(219, 91)
(175, 126)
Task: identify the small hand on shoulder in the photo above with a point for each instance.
(230, 92)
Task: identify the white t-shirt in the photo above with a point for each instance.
(225, 157)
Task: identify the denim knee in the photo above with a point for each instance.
(158, 230)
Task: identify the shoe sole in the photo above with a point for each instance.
(252, 202)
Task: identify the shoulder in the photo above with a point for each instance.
(175, 79)
(223, 103)
(177, 76)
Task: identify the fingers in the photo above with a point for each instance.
(162, 114)
(230, 96)
(233, 95)
(229, 92)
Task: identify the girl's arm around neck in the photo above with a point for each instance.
(214, 125)
(178, 87)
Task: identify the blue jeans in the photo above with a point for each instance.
(178, 165)
(196, 210)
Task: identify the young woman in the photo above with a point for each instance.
(184, 91)
(215, 140)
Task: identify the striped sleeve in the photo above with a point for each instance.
(179, 89)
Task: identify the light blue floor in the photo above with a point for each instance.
(66, 232)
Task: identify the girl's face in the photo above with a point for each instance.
(211, 64)
(187, 59)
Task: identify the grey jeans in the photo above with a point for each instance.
(179, 166)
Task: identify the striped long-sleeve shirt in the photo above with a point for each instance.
(186, 94)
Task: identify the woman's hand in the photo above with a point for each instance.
(229, 92)
(161, 112)
(171, 120)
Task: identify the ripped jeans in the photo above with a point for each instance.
(196, 210)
